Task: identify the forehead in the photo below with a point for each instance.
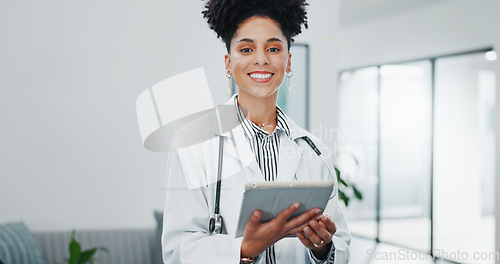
(259, 28)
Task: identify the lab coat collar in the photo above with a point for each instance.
(237, 145)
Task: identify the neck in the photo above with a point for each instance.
(260, 110)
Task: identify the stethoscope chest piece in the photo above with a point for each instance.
(216, 224)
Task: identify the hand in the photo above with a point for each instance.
(257, 236)
(317, 235)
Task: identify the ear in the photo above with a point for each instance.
(227, 62)
(289, 63)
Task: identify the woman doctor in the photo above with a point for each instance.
(265, 146)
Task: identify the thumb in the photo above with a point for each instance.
(255, 218)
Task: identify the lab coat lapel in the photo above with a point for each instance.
(237, 147)
(289, 159)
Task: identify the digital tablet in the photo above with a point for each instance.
(271, 198)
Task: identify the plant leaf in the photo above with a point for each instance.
(339, 179)
(87, 255)
(74, 249)
(355, 160)
(357, 193)
(343, 182)
(343, 197)
(103, 249)
(337, 171)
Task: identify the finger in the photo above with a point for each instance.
(329, 224)
(254, 220)
(302, 219)
(321, 231)
(304, 240)
(285, 214)
(311, 235)
(299, 228)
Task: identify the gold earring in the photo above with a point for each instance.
(228, 75)
(289, 75)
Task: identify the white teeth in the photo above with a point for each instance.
(260, 75)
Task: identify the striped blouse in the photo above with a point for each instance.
(266, 150)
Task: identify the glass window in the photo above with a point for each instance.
(356, 147)
(424, 133)
(464, 157)
(405, 154)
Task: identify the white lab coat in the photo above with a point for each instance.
(190, 198)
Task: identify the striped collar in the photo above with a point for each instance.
(252, 130)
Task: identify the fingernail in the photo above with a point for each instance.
(296, 205)
(319, 217)
(317, 211)
(307, 230)
(312, 223)
(255, 214)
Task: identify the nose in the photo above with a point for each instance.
(261, 58)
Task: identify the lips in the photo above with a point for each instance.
(261, 76)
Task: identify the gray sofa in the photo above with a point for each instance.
(130, 246)
(18, 245)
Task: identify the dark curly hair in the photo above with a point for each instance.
(225, 16)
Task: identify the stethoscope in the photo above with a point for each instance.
(216, 223)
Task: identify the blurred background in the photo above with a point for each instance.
(404, 92)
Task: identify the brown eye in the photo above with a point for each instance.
(274, 49)
(245, 50)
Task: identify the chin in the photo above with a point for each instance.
(262, 93)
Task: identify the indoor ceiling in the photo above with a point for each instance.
(358, 11)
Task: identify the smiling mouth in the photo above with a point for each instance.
(261, 76)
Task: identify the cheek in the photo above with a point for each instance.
(282, 63)
(238, 63)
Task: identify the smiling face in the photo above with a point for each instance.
(258, 58)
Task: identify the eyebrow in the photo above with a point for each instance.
(252, 41)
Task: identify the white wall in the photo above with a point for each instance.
(323, 28)
(438, 29)
(70, 71)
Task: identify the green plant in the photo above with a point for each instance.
(346, 187)
(77, 256)
(343, 191)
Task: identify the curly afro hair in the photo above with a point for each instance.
(225, 16)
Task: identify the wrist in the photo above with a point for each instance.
(322, 252)
(245, 251)
(246, 260)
